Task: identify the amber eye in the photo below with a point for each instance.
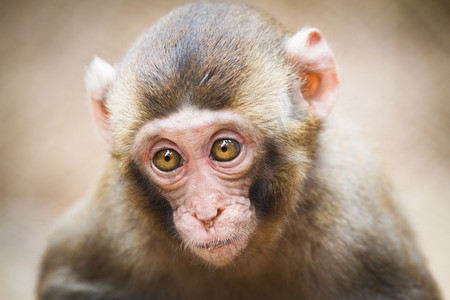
(225, 149)
(167, 160)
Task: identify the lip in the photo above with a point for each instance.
(216, 244)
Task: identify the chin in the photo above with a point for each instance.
(220, 252)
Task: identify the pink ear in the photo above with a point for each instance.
(316, 68)
(99, 77)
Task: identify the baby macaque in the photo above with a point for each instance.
(228, 178)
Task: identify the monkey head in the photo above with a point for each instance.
(213, 126)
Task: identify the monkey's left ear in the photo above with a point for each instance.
(99, 77)
(316, 69)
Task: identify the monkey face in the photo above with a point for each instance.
(200, 160)
(221, 129)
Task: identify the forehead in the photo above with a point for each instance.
(192, 121)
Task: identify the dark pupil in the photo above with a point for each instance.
(167, 158)
(224, 149)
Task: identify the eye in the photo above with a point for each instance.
(167, 160)
(225, 149)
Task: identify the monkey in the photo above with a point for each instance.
(230, 177)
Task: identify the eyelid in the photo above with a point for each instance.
(163, 144)
(226, 134)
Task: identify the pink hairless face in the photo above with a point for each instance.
(201, 164)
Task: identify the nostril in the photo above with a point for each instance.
(219, 212)
(208, 219)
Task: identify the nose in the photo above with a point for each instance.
(207, 215)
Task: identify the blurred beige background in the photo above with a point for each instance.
(394, 59)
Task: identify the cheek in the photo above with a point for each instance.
(235, 216)
(185, 223)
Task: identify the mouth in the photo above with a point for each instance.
(216, 243)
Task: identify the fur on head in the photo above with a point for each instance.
(256, 70)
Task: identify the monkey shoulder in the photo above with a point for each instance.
(348, 181)
(359, 233)
(347, 167)
(94, 250)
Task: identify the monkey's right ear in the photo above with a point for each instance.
(316, 69)
(99, 77)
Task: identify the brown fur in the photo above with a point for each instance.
(328, 227)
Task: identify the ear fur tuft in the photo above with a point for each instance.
(99, 77)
